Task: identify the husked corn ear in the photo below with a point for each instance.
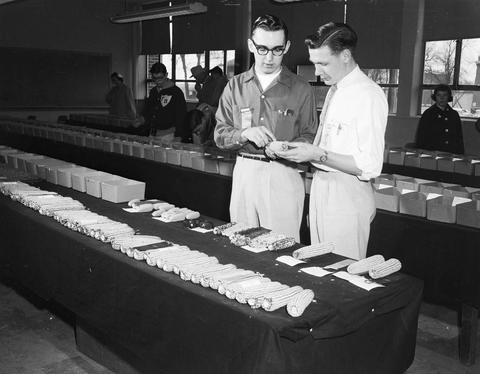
(219, 229)
(281, 244)
(313, 250)
(385, 268)
(297, 305)
(364, 265)
(279, 299)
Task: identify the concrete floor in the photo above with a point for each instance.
(35, 340)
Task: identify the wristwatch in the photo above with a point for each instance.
(324, 157)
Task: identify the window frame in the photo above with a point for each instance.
(454, 86)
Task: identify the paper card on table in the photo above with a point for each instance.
(131, 210)
(254, 250)
(289, 260)
(340, 264)
(316, 271)
(201, 230)
(457, 159)
(460, 200)
(405, 190)
(148, 247)
(162, 219)
(475, 161)
(433, 196)
(358, 280)
(409, 153)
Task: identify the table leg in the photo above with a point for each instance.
(468, 334)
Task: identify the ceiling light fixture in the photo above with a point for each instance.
(163, 12)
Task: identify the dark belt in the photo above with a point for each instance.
(254, 157)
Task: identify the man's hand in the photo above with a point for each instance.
(301, 152)
(259, 135)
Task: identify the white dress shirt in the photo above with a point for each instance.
(355, 124)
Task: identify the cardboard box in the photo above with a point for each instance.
(160, 154)
(138, 149)
(80, 139)
(186, 157)
(443, 208)
(122, 190)
(149, 152)
(387, 179)
(5, 152)
(173, 156)
(12, 158)
(42, 166)
(413, 203)
(464, 166)
(435, 187)
(64, 175)
(447, 163)
(226, 165)
(468, 214)
(127, 148)
(408, 183)
(460, 191)
(51, 171)
(412, 159)
(79, 178)
(22, 160)
(429, 162)
(93, 183)
(386, 198)
(396, 156)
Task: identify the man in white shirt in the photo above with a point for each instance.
(348, 148)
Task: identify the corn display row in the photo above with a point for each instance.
(168, 212)
(313, 250)
(375, 266)
(244, 286)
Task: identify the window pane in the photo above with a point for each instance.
(439, 62)
(230, 71)
(188, 89)
(466, 103)
(183, 64)
(216, 59)
(383, 76)
(167, 61)
(392, 97)
(470, 62)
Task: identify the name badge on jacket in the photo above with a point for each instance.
(165, 99)
(246, 117)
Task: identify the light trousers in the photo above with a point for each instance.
(341, 210)
(267, 194)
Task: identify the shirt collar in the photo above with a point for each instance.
(350, 77)
(285, 76)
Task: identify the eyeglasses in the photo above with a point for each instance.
(263, 50)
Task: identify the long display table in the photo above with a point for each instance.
(162, 324)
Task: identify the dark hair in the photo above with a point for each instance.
(117, 76)
(269, 22)
(338, 36)
(442, 88)
(158, 68)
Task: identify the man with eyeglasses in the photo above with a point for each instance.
(262, 105)
(165, 108)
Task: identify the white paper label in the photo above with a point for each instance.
(289, 260)
(475, 161)
(316, 271)
(383, 186)
(404, 191)
(201, 230)
(254, 250)
(340, 264)
(433, 196)
(358, 280)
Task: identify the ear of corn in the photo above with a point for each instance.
(385, 268)
(363, 266)
(313, 250)
(297, 304)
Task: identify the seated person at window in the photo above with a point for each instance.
(165, 107)
(200, 124)
(120, 98)
(440, 127)
(209, 84)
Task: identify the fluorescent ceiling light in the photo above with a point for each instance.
(167, 11)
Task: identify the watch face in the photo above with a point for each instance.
(323, 158)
